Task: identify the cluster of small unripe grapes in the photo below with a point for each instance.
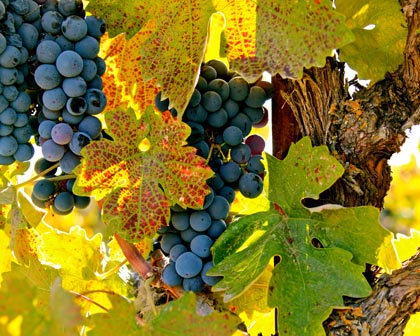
(221, 113)
(50, 76)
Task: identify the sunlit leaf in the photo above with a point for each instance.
(323, 250)
(281, 36)
(123, 80)
(140, 184)
(380, 36)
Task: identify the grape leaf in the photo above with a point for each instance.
(34, 295)
(123, 80)
(142, 172)
(80, 261)
(281, 37)
(119, 320)
(124, 16)
(323, 250)
(168, 322)
(376, 49)
(175, 50)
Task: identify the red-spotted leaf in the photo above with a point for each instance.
(174, 52)
(123, 84)
(144, 170)
(281, 36)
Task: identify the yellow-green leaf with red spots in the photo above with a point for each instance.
(281, 37)
(142, 172)
(123, 80)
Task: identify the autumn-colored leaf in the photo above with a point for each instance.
(175, 50)
(281, 36)
(142, 172)
(123, 80)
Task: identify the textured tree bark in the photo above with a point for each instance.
(362, 132)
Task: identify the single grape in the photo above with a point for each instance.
(188, 235)
(45, 128)
(64, 43)
(22, 103)
(188, 265)
(6, 129)
(220, 207)
(216, 182)
(88, 47)
(180, 220)
(69, 63)
(78, 141)
(211, 101)
(70, 184)
(96, 83)
(169, 240)
(52, 151)
(70, 118)
(8, 116)
(74, 28)
(10, 57)
(91, 126)
(254, 114)
(242, 122)
(23, 134)
(240, 153)
(209, 199)
(201, 84)
(264, 120)
(47, 51)
(89, 70)
(201, 244)
(70, 7)
(256, 143)
(51, 22)
(51, 115)
(256, 97)
(221, 87)
(217, 227)
(197, 114)
(209, 279)
(220, 67)
(195, 99)
(3, 43)
(43, 189)
(194, 284)
(250, 185)
(29, 35)
(228, 193)
(161, 105)
(96, 26)
(54, 99)
(25, 152)
(96, 101)
(218, 119)
(8, 145)
(200, 220)
(21, 120)
(62, 133)
(232, 135)
(239, 88)
(47, 77)
(8, 76)
(10, 92)
(255, 165)
(100, 65)
(33, 12)
(176, 251)
(170, 276)
(231, 107)
(64, 201)
(37, 202)
(76, 106)
(41, 165)
(81, 202)
(3, 102)
(6, 160)
(208, 73)
(230, 172)
(74, 86)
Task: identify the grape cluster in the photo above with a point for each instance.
(221, 113)
(17, 32)
(65, 77)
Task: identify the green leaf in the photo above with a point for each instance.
(119, 320)
(147, 168)
(168, 322)
(34, 295)
(309, 280)
(374, 51)
(281, 36)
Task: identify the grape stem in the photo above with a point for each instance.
(88, 299)
(32, 179)
(134, 257)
